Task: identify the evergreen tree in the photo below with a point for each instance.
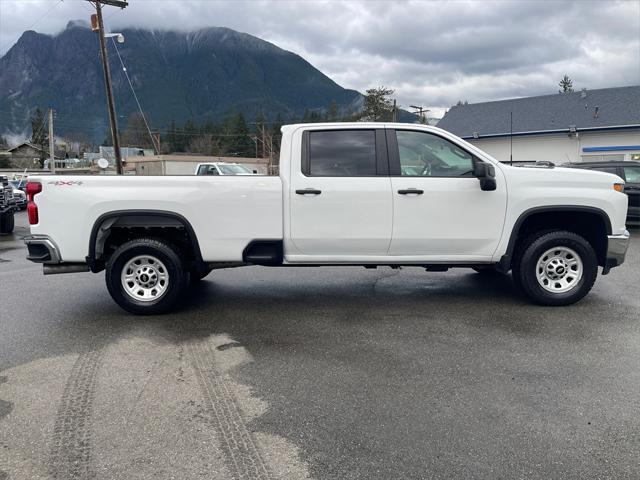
(566, 84)
(243, 146)
(171, 140)
(377, 106)
(332, 114)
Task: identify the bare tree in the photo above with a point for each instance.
(203, 144)
(136, 133)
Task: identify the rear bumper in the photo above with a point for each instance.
(42, 249)
(616, 250)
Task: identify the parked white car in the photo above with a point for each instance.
(368, 194)
(222, 168)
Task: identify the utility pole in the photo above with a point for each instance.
(97, 24)
(395, 112)
(422, 113)
(52, 157)
(511, 138)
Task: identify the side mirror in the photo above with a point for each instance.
(486, 174)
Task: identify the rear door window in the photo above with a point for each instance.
(342, 153)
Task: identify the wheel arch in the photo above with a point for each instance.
(573, 218)
(145, 219)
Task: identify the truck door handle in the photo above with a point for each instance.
(410, 191)
(309, 191)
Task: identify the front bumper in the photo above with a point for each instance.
(42, 249)
(616, 250)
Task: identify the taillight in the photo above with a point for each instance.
(33, 188)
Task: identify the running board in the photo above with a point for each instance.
(65, 268)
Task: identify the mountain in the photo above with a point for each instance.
(204, 75)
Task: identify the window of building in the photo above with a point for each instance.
(342, 153)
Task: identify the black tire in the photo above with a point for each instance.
(7, 223)
(531, 251)
(167, 254)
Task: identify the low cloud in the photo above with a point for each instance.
(432, 53)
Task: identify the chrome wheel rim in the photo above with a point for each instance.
(145, 278)
(559, 269)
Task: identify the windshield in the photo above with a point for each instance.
(230, 169)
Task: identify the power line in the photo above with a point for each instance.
(144, 118)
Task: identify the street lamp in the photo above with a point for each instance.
(119, 36)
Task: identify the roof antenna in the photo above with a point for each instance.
(511, 137)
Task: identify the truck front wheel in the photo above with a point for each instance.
(555, 268)
(145, 276)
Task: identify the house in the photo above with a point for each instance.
(27, 155)
(589, 125)
(185, 164)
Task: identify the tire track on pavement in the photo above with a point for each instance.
(243, 457)
(71, 444)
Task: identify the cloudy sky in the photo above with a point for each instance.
(432, 53)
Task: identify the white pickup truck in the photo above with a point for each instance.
(358, 194)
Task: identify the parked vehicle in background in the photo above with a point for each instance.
(20, 198)
(342, 198)
(19, 184)
(7, 206)
(627, 170)
(221, 168)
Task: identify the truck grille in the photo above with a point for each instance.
(6, 195)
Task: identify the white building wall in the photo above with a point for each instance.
(180, 168)
(559, 148)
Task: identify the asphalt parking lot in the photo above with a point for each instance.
(325, 373)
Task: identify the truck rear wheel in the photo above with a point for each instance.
(7, 223)
(145, 276)
(555, 268)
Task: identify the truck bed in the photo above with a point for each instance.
(225, 212)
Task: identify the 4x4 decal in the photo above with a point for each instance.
(69, 183)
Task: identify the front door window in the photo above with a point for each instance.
(423, 154)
